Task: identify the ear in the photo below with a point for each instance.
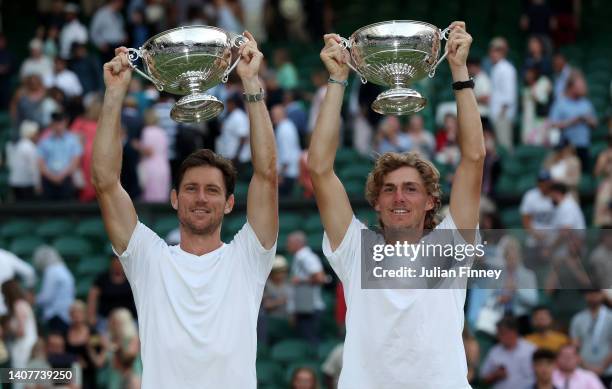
(174, 199)
(376, 206)
(429, 205)
(229, 204)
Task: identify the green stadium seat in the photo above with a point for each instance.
(232, 224)
(313, 223)
(268, 372)
(326, 347)
(83, 284)
(369, 217)
(291, 350)
(355, 188)
(346, 156)
(164, 225)
(356, 171)
(241, 190)
(72, 248)
(290, 221)
(54, 228)
(24, 246)
(279, 329)
(511, 218)
(15, 228)
(315, 240)
(92, 265)
(92, 229)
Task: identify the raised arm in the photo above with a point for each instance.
(115, 204)
(262, 200)
(332, 200)
(467, 182)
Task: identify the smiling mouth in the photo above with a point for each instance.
(399, 211)
(200, 211)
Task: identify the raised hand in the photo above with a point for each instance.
(335, 57)
(250, 59)
(458, 45)
(118, 72)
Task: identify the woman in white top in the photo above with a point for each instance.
(21, 325)
(24, 176)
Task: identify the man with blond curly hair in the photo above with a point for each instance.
(399, 338)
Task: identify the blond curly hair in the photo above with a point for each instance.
(389, 162)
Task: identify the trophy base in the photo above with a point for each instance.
(399, 101)
(196, 108)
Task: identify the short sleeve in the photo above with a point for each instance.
(525, 208)
(345, 259)
(258, 260)
(449, 224)
(312, 263)
(574, 330)
(143, 250)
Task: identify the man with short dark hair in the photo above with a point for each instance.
(197, 302)
(543, 367)
(544, 336)
(568, 374)
(508, 364)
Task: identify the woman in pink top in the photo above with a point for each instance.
(154, 168)
(85, 127)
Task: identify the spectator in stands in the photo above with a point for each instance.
(229, 15)
(564, 166)
(132, 120)
(543, 368)
(21, 324)
(537, 57)
(233, 142)
(575, 116)
(52, 14)
(57, 357)
(286, 72)
(603, 199)
(253, 12)
(124, 346)
(38, 359)
(447, 149)
(567, 21)
(278, 295)
(307, 276)
(12, 266)
(389, 137)
(72, 32)
(296, 112)
(591, 332)
(57, 291)
(537, 18)
(84, 127)
(138, 29)
(332, 366)
(482, 86)
(472, 355)
(64, 79)
(519, 292)
(568, 214)
(537, 211)
(543, 335)
(154, 169)
(508, 364)
(502, 103)
(107, 28)
(422, 140)
(22, 157)
(569, 375)
(51, 43)
(304, 378)
(599, 261)
(29, 102)
(80, 342)
(110, 290)
(304, 178)
(492, 165)
(36, 63)
(536, 99)
(7, 68)
(319, 81)
(59, 157)
(129, 165)
(86, 67)
(561, 73)
(288, 149)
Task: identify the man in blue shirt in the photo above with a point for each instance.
(59, 157)
(575, 116)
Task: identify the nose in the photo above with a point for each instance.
(398, 196)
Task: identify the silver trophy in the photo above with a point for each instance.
(394, 54)
(188, 61)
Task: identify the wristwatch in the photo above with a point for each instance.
(253, 98)
(458, 85)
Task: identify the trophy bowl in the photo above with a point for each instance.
(394, 54)
(188, 61)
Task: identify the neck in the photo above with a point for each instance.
(544, 384)
(409, 235)
(594, 310)
(200, 244)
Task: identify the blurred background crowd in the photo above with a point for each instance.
(542, 72)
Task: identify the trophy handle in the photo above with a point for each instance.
(237, 42)
(347, 45)
(443, 36)
(133, 55)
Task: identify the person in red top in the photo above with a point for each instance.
(85, 127)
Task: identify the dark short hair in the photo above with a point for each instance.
(558, 187)
(508, 322)
(543, 354)
(207, 157)
(539, 308)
